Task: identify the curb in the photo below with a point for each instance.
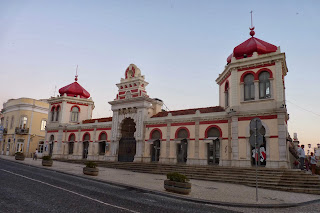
(168, 194)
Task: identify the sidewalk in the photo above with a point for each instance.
(211, 192)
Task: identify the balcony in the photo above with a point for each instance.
(22, 131)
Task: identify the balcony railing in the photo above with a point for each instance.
(22, 131)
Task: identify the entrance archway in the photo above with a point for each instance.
(262, 150)
(213, 147)
(127, 143)
(51, 143)
(86, 140)
(155, 146)
(182, 147)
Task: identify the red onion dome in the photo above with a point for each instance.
(247, 48)
(74, 90)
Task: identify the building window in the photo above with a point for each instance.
(12, 122)
(102, 143)
(43, 125)
(75, 114)
(264, 85)
(57, 113)
(249, 87)
(52, 113)
(23, 122)
(40, 146)
(226, 94)
(7, 122)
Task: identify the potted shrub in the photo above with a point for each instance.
(178, 183)
(19, 156)
(91, 169)
(47, 161)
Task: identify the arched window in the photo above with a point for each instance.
(52, 113)
(213, 132)
(183, 133)
(249, 87)
(156, 134)
(102, 143)
(75, 114)
(57, 113)
(86, 137)
(226, 94)
(264, 85)
(72, 138)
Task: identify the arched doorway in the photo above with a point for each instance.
(86, 140)
(155, 146)
(127, 143)
(51, 143)
(213, 147)
(182, 147)
(262, 150)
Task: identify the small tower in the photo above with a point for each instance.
(133, 85)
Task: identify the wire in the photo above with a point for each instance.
(304, 108)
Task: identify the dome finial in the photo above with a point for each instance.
(252, 33)
(76, 77)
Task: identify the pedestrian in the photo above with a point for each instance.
(35, 155)
(313, 162)
(302, 156)
(306, 162)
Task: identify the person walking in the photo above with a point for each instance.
(35, 155)
(313, 162)
(302, 156)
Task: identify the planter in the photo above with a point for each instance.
(90, 171)
(19, 157)
(177, 187)
(47, 162)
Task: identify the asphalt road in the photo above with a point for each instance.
(29, 189)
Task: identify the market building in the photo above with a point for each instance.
(24, 121)
(251, 85)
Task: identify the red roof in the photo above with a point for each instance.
(250, 46)
(189, 111)
(74, 89)
(97, 119)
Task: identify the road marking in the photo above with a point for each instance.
(99, 201)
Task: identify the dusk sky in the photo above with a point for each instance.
(180, 47)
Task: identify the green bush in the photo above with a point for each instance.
(19, 153)
(46, 157)
(175, 176)
(91, 164)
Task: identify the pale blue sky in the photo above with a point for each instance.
(180, 47)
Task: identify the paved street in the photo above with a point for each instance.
(29, 189)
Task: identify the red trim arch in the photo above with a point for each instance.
(70, 137)
(101, 134)
(53, 108)
(85, 135)
(246, 73)
(264, 70)
(176, 134)
(155, 129)
(212, 126)
(75, 106)
(226, 86)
